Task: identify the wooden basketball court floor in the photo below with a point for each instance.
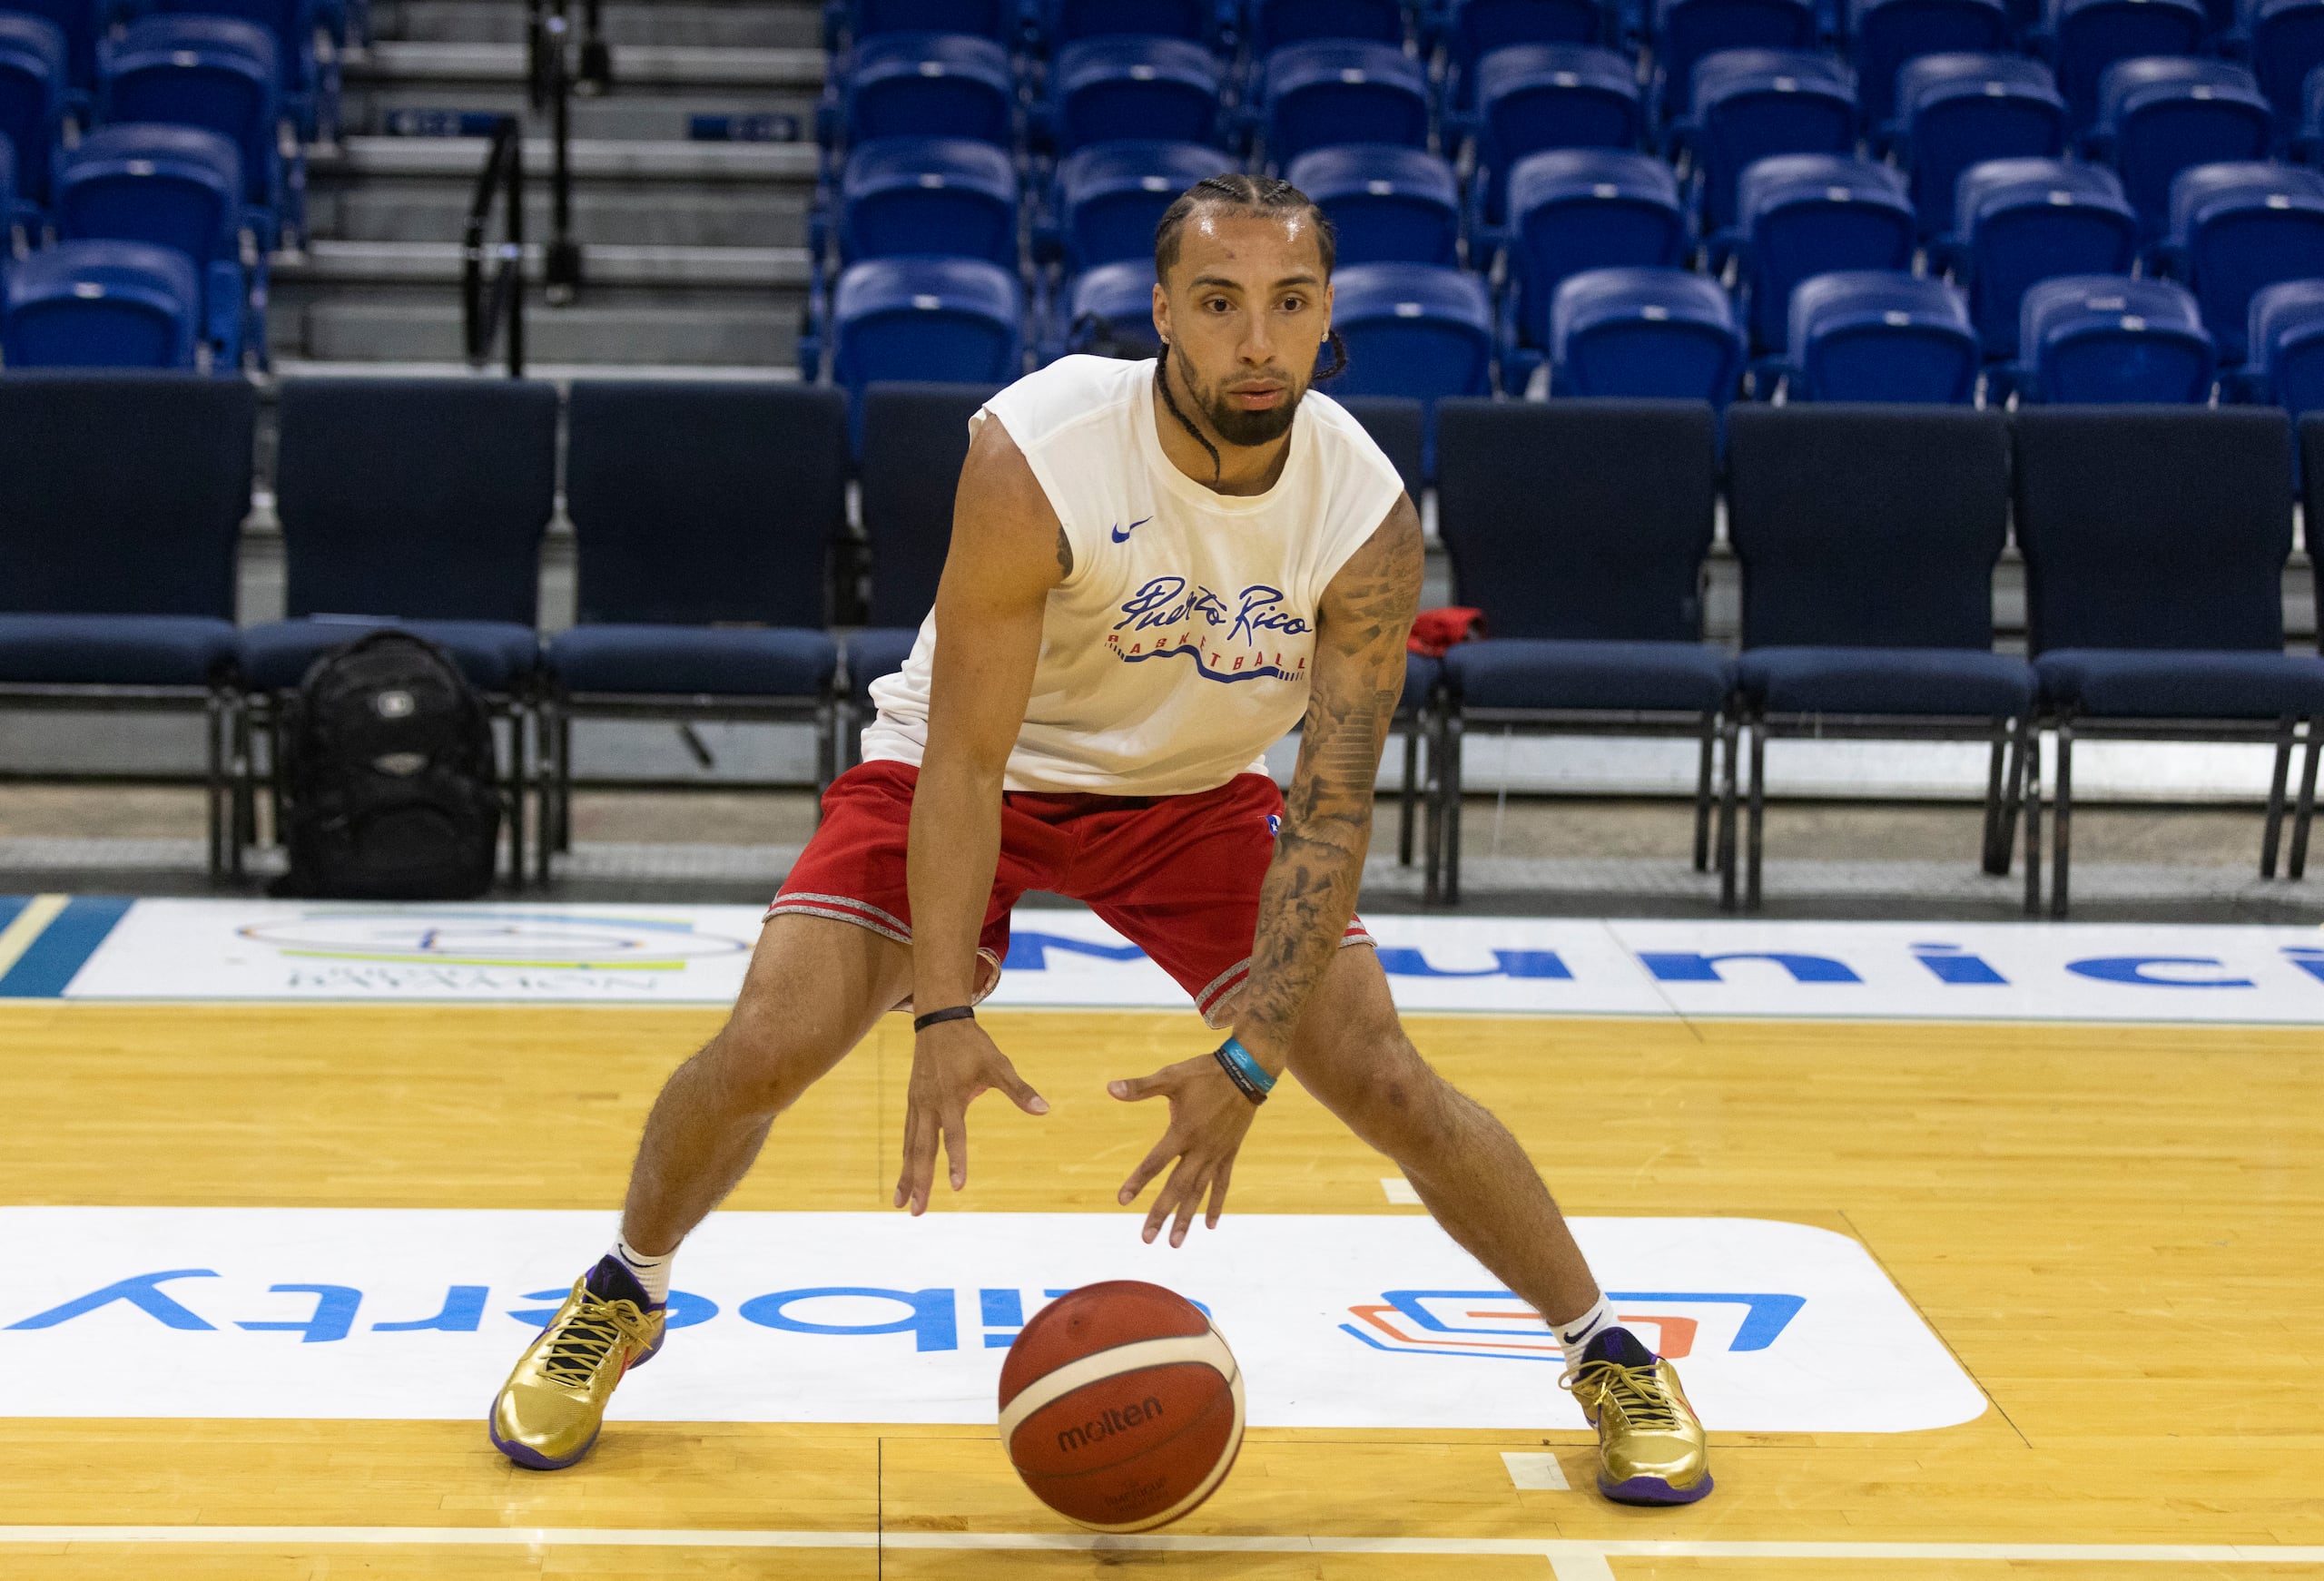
(2116, 1230)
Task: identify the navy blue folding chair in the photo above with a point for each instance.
(103, 304)
(1954, 110)
(417, 504)
(1329, 91)
(2237, 227)
(930, 196)
(1388, 205)
(1885, 35)
(1660, 334)
(2158, 116)
(1684, 31)
(1536, 96)
(1749, 103)
(1579, 529)
(915, 439)
(121, 509)
(2154, 541)
(2286, 364)
(1412, 329)
(2019, 221)
(1107, 311)
(1810, 213)
(924, 84)
(2086, 37)
(1062, 21)
(2100, 339)
(703, 518)
(1877, 335)
(955, 319)
(1106, 200)
(1104, 90)
(1473, 29)
(1867, 537)
(32, 98)
(2284, 40)
(1577, 209)
(1273, 24)
(178, 187)
(212, 71)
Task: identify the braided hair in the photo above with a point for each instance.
(1245, 194)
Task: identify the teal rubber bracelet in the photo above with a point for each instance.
(1247, 1074)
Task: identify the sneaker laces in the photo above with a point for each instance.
(584, 1340)
(1638, 1393)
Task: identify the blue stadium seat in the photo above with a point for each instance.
(996, 20)
(103, 304)
(2101, 339)
(1868, 540)
(2086, 37)
(1885, 35)
(1413, 330)
(2237, 227)
(1062, 21)
(1109, 310)
(18, 222)
(1954, 111)
(2287, 344)
(1687, 30)
(1106, 200)
(925, 85)
(2025, 220)
(1660, 334)
(1535, 96)
(1473, 29)
(1874, 335)
(1273, 24)
(310, 82)
(1579, 528)
(2284, 40)
(953, 319)
(214, 73)
(1811, 213)
(1340, 90)
(174, 186)
(1389, 205)
(1748, 103)
(2155, 539)
(1103, 90)
(1577, 209)
(928, 195)
(2157, 115)
(2311, 120)
(32, 97)
(78, 24)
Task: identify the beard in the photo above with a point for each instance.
(1241, 426)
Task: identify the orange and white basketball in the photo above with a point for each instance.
(1121, 1407)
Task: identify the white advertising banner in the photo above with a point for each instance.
(1338, 1321)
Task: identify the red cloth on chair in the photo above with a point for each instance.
(1435, 630)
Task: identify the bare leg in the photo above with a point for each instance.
(1352, 1053)
(816, 988)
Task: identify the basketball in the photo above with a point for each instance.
(1121, 1407)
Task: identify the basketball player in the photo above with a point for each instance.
(1157, 571)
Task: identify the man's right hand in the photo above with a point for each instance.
(951, 1064)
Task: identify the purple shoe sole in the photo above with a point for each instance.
(532, 1460)
(1653, 1491)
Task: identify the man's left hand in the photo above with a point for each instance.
(1208, 1117)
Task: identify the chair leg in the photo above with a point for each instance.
(2306, 813)
(2061, 838)
(1729, 733)
(2030, 755)
(519, 775)
(550, 775)
(216, 799)
(1995, 858)
(1702, 793)
(1410, 790)
(1759, 812)
(1454, 741)
(2271, 840)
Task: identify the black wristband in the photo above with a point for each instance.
(953, 1013)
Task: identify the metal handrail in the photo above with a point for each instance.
(552, 84)
(487, 302)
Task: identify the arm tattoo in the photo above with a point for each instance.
(1064, 555)
(1310, 889)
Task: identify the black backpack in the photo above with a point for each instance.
(388, 781)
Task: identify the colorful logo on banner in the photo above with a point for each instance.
(1495, 1325)
(539, 941)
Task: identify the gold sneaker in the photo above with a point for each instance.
(1651, 1445)
(552, 1404)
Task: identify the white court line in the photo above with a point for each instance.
(1571, 1559)
(1400, 1192)
(1535, 1471)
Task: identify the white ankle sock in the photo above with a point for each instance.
(1575, 1337)
(653, 1272)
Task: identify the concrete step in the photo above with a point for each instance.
(741, 24)
(563, 372)
(633, 213)
(382, 325)
(629, 115)
(593, 159)
(606, 264)
(639, 65)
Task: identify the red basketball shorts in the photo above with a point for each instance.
(1177, 875)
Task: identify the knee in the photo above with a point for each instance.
(1377, 1083)
(756, 1067)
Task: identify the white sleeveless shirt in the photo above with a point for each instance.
(1179, 647)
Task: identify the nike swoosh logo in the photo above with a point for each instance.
(1121, 535)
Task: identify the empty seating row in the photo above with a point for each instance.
(301, 40)
(2154, 541)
